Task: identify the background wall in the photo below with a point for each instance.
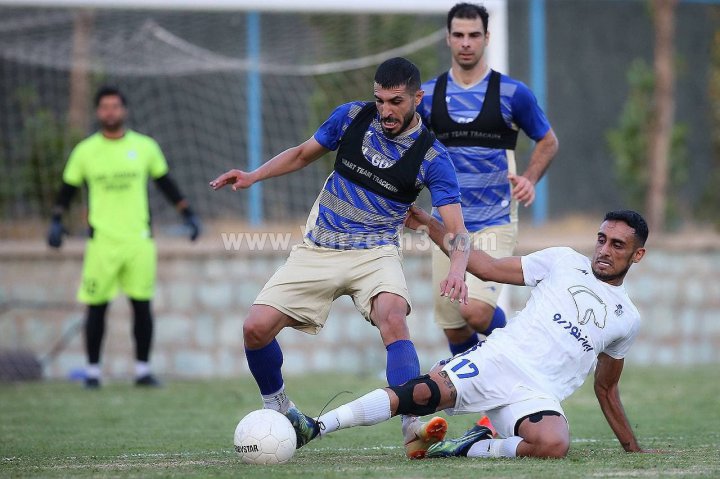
(204, 293)
(186, 76)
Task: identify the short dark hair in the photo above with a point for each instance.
(397, 72)
(634, 220)
(468, 10)
(109, 90)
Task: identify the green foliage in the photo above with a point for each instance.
(57, 429)
(44, 144)
(629, 142)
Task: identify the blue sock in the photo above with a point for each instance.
(498, 321)
(402, 362)
(456, 349)
(265, 366)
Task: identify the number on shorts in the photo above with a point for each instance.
(465, 362)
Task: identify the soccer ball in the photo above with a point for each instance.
(265, 437)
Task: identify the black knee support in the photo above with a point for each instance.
(405, 394)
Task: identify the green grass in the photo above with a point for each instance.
(185, 430)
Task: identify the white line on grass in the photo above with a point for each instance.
(654, 473)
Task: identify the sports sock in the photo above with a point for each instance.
(265, 364)
(409, 423)
(92, 371)
(402, 365)
(94, 331)
(142, 368)
(495, 447)
(277, 401)
(402, 362)
(372, 408)
(142, 329)
(458, 348)
(498, 321)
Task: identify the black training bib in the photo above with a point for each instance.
(396, 182)
(488, 129)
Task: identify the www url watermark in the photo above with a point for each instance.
(282, 241)
(256, 241)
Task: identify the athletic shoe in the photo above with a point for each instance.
(306, 428)
(485, 421)
(290, 405)
(423, 435)
(92, 383)
(148, 381)
(461, 445)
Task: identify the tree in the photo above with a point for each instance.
(629, 142)
(79, 74)
(663, 13)
(711, 197)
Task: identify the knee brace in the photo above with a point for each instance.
(405, 394)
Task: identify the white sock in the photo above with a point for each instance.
(92, 371)
(372, 408)
(142, 368)
(277, 401)
(409, 423)
(495, 447)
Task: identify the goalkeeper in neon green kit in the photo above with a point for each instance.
(115, 164)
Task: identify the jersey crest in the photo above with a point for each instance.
(589, 306)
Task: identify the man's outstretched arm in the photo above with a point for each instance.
(286, 162)
(607, 377)
(501, 270)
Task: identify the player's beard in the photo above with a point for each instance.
(112, 126)
(404, 126)
(608, 277)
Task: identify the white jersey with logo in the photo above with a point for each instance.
(571, 317)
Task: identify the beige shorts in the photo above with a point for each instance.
(313, 277)
(498, 242)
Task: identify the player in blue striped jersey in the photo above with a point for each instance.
(476, 113)
(351, 245)
(349, 216)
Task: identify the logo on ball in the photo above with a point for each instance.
(265, 437)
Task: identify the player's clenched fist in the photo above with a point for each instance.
(237, 178)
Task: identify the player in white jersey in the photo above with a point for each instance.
(579, 317)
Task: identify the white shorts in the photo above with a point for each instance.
(490, 383)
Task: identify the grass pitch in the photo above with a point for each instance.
(186, 428)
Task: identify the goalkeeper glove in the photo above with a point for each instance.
(193, 223)
(56, 231)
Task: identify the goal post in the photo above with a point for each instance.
(278, 6)
(215, 93)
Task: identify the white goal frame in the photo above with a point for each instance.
(497, 50)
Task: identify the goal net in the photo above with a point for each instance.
(186, 76)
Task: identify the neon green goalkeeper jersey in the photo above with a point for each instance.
(116, 173)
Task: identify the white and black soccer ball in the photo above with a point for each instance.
(265, 437)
